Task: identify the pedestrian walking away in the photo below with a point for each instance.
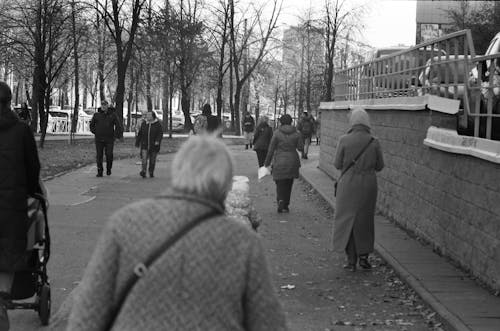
(285, 160)
(318, 129)
(306, 127)
(106, 127)
(195, 268)
(262, 139)
(19, 179)
(149, 140)
(359, 157)
(208, 123)
(248, 124)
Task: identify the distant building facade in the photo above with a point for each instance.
(433, 16)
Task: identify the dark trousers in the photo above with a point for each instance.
(102, 146)
(148, 156)
(261, 156)
(284, 190)
(350, 250)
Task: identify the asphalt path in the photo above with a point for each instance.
(316, 293)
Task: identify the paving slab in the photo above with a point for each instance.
(461, 302)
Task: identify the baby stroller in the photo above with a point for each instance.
(33, 281)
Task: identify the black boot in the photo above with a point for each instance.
(281, 206)
(363, 262)
(246, 146)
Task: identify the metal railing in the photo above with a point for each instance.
(447, 67)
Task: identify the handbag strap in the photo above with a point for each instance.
(142, 268)
(353, 162)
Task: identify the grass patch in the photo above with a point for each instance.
(59, 156)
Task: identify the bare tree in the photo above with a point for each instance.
(191, 51)
(254, 39)
(337, 19)
(122, 23)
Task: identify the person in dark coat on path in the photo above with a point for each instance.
(306, 127)
(149, 140)
(213, 122)
(262, 139)
(285, 160)
(106, 127)
(215, 277)
(353, 230)
(19, 179)
(248, 124)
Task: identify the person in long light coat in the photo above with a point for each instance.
(357, 191)
(214, 278)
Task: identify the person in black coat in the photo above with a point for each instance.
(106, 127)
(19, 179)
(262, 139)
(213, 122)
(149, 140)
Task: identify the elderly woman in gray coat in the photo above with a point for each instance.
(215, 277)
(357, 191)
(285, 159)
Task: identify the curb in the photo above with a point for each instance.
(448, 318)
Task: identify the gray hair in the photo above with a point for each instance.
(203, 167)
(359, 116)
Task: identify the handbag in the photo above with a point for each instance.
(353, 162)
(142, 268)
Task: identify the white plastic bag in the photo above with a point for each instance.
(263, 172)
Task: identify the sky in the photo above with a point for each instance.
(387, 23)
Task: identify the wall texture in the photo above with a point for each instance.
(450, 200)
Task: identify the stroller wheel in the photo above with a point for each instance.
(44, 304)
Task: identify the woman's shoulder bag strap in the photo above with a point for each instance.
(142, 268)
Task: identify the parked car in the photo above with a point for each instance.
(392, 74)
(489, 88)
(445, 79)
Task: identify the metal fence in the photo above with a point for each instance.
(447, 67)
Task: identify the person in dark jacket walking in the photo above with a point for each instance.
(149, 140)
(306, 127)
(213, 122)
(106, 127)
(285, 160)
(262, 139)
(19, 179)
(248, 124)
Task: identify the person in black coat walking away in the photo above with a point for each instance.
(106, 127)
(285, 159)
(19, 179)
(262, 139)
(248, 124)
(149, 140)
(213, 122)
(306, 127)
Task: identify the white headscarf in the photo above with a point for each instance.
(359, 116)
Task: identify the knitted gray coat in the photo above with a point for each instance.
(214, 278)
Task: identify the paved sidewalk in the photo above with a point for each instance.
(461, 303)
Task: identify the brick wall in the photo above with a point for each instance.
(450, 200)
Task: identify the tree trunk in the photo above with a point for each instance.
(130, 98)
(185, 104)
(100, 54)
(74, 121)
(120, 91)
(237, 100)
(231, 100)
